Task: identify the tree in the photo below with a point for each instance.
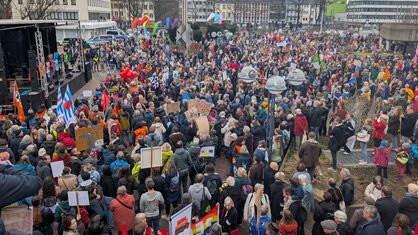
(36, 9)
(135, 8)
(5, 9)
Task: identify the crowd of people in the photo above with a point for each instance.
(255, 193)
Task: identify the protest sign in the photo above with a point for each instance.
(173, 107)
(78, 198)
(18, 220)
(87, 93)
(203, 125)
(192, 103)
(203, 107)
(191, 113)
(357, 62)
(88, 138)
(150, 159)
(57, 168)
(207, 151)
(180, 222)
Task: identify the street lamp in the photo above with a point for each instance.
(296, 77)
(248, 74)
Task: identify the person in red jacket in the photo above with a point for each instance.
(379, 131)
(300, 128)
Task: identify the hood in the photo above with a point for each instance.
(197, 187)
(180, 151)
(41, 163)
(151, 196)
(233, 191)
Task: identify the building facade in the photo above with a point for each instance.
(254, 12)
(302, 12)
(382, 11)
(226, 9)
(197, 10)
(120, 11)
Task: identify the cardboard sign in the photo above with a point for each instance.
(83, 198)
(207, 151)
(87, 138)
(203, 125)
(18, 219)
(153, 159)
(191, 114)
(192, 103)
(87, 93)
(173, 107)
(203, 107)
(57, 168)
(180, 222)
(357, 62)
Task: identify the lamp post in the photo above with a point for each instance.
(275, 85)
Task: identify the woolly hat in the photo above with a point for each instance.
(384, 144)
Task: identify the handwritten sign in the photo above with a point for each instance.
(357, 62)
(203, 125)
(87, 93)
(90, 137)
(203, 107)
(18, 219)
(192, 103)
(83, 198)
(154, 159)
(57, 168)
(173, 107)
(191, 113)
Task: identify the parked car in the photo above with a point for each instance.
(101, 39)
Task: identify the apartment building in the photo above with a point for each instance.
(226, 9)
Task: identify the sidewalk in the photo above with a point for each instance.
(353, 158)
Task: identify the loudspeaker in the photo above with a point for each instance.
(4, 98)
(87, 72)
(32, 100)
(32, 70)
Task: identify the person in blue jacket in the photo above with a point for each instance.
(261, 230)
(373, 226)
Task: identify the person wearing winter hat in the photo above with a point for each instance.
(329, 227)
(381, 159)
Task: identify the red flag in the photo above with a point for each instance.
(124, 231)
(134, 22)
(18, 104)
(105, 100)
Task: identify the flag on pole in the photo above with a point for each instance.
(60, 109)
(316, 58)
(154, 30)
(68, 107)
(105, 100)
(18, 103)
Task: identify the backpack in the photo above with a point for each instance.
(64, 214)
(200, 165)
(302, 214)
(174, 183)
(116, 173)
(212, 186)
(246, 190)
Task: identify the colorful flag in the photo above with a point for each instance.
(134, 23)
(60, 109)
(154, 30)
(167, 22)
(143, 20)
(145, 30)
(175, 22)
(18, 103)
(105, 100)
(204, 223)
(68, 107)
(316, 58)
(220, 19)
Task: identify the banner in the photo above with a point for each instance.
(18, 103)
(18, 219)
(181, 221)
(202, 226)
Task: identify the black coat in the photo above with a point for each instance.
(268, 179)
(336, 140)
(276, 198)
(108, 185)
(231, 217)
(315, 117)
(387, 208)
(234, 193)
(408, 124)
(409, 206)
(323, 210)
(347, 189)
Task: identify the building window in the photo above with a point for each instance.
(116, 13)
(20, 2)
(73, 2)
(151, 15)
(151, 6)
(145, 7)
(121, 5)
(70, 15)
(31, 1)
(64, 2)
(57, 2)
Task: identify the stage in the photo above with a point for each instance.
(33, 99)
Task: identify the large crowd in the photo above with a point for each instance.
(256, 195)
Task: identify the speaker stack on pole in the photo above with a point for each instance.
(4, 97)
(32, 70)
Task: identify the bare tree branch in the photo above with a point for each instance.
(135, 8)
(35, 10)
(5, 9)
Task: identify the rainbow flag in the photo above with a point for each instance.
(201, 226)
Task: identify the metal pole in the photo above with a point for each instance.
(81, 47)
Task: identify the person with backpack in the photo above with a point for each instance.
(213, 182)
(118, 164)
(62, 210)
(249, 208)
(200, 195)
(172, 179)
(323, 210)
(230, 190)
(299, 211)
(122, 209)
(256, 229)
(183, 162)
